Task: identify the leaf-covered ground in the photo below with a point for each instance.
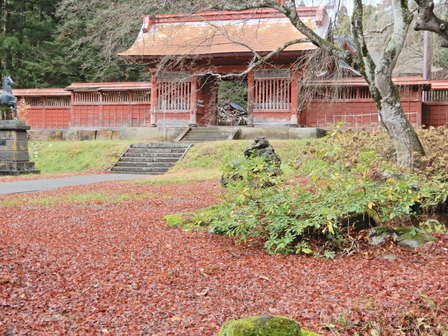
(110, 265)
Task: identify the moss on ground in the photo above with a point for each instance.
(264, 326)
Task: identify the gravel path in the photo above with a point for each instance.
(19, 187)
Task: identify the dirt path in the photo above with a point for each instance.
(117, 269)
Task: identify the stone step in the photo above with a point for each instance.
(156, 150)
(140, 169)
(136, 172)
(154, 155)
(201, 140)
(207, 134)
(198, 137)
(149, 159)
(144, 164)
(207, 131)
(160, 145)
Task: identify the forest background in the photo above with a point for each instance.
(52, 43)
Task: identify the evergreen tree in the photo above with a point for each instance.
(28, 49)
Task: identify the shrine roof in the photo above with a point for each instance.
(223, 33)
(109, 86)
(439, 84)
(40, 92)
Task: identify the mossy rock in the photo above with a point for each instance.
(407, 236)
(263, 326)
(412, 237)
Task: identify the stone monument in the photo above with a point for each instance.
(14, 157)
(260, 148)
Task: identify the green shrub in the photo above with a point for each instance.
(346, 182)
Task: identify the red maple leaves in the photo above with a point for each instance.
(117, 268)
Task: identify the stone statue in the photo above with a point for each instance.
(14, 157)
(8, 100)
(260, 148)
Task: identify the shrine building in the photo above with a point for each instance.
(197, 49)
(189, 55)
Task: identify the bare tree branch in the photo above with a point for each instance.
(365, 64)
(254, 4)
(256, 61)
(382, 30)
(429, 21)
(290, 11)
(230, 39)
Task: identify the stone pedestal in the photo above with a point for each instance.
(14, 157)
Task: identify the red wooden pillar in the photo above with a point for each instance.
(70, 111)
(419, 116)
(294, 108)
(194, 101)
(154, 100)
(100, 120)
(250, 97)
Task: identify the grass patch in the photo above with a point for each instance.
(80, 198)
(59, 156)
(204, 161)
(12, 202)
(216, 154)
(71, 156)
(175, 220)
(49, 200)
(181, 176)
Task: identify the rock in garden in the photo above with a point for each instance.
(261, 326)
(261, 148)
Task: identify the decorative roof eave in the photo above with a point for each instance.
(110, 86)
(359, 81)
(264, 13)
(245, 55)
(439, 84)
(53, 92)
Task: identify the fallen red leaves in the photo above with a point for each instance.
(117, 269)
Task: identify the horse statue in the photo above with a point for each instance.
(7, 99)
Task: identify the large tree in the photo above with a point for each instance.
(377, 72)
(29, 50)
(94, 31)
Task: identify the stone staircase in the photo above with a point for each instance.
(150, 158)
(205, 134)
